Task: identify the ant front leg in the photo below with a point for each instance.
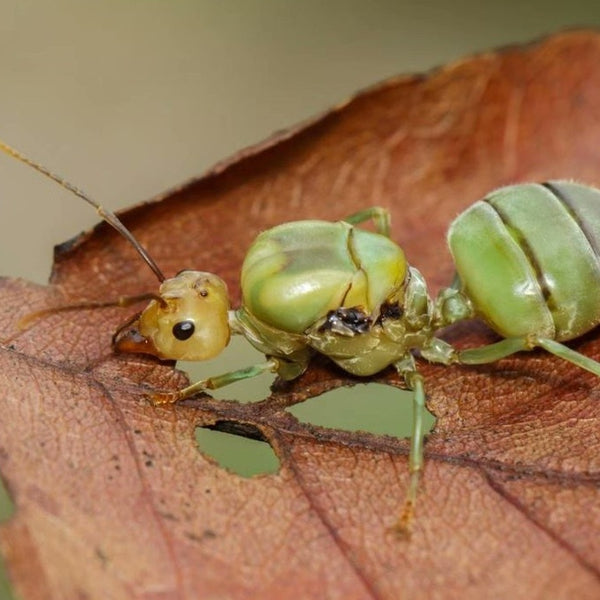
(122, 302)
(213, 383)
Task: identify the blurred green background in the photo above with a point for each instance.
(129, 98)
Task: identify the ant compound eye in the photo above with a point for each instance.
(183, 330)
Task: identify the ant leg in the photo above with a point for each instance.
(414, 382)
(121, 301)
(494, 352)
(379, 216)
(562, 351)
(212, 383)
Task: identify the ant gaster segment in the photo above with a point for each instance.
(527, 262)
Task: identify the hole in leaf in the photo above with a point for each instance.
(6, 592)
(374, 407)
(7, 509)
(237, 447)
(237, 355)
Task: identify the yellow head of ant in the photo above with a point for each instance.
(189, 321)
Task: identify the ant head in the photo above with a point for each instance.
(188, 321)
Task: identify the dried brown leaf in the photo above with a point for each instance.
(115, 501)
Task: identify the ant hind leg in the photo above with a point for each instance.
(566, 353)
(504, 348)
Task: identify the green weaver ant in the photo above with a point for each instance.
(349, 294)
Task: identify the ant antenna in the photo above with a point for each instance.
(106, 214)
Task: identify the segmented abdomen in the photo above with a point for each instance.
(528, 257)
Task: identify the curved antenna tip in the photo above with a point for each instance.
(106, 214)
